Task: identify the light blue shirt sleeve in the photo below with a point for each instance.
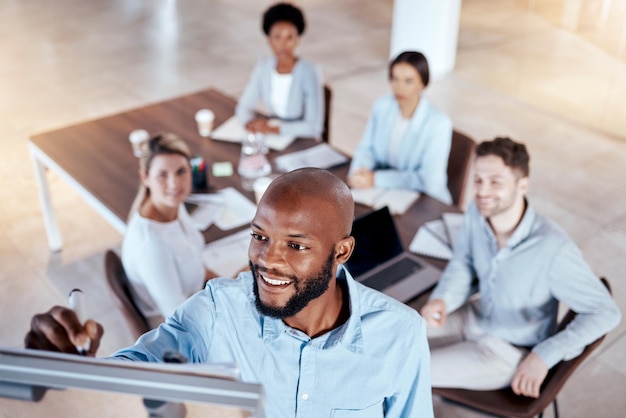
(572, 282)
(424, 151)
(305, 106)
(416, 401)
(455, 285)
(180, 332)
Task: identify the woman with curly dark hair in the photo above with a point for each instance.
(289, 87)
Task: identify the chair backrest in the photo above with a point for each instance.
(120, 286)
(328, 95)
(504, 402)
(459, 166)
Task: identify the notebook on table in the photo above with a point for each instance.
(380, 262)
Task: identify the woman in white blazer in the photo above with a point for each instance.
(407, 141)
(290, 88)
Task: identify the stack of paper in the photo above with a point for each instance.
(398, 201)
(233, 131)
(320, 156)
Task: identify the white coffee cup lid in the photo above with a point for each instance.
(138, 135)
(204, 115)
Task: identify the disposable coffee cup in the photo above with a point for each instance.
(204, 119)
(259, 186)
(137, 139)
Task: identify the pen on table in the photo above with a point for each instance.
(77, 304)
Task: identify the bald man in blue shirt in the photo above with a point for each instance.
(321, 344)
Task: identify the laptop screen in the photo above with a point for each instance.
(376, 241)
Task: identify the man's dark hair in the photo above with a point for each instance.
(283, 12)
(513, 153)
(415, 59)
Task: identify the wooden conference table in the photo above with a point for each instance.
(96, 159)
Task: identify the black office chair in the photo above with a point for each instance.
(459, 166)
(505, 403)
(120, 286)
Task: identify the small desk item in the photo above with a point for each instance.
(226, 256)
(222, 169)
(397, 200)
(380, 262)
(320, 156)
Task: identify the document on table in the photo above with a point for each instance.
(233, 131)
(431, 240)
(453, 223)
(398, 201)
(320, 156)
(227, 209)
(207, 208)
(228, 255)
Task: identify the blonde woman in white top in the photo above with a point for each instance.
(161, 252)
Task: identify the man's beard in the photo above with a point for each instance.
(306, 290)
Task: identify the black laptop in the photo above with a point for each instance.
(380, 262)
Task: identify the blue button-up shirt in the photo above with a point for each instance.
(374, 365)
(522, 283)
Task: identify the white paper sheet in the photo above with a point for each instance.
(398, 201)
(209, 206)
(227, 209)
(453, 223)
(228, 255)
(237, 210)
(230, 131)
(429, 244)
(233, 131)
(205, 214)
(320, 156)
(438, 229)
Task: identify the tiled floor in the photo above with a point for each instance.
(64, 61)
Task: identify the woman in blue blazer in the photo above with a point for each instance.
(289, 87)
(407, 141)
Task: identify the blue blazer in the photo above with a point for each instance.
(305, 109)
(423, 154)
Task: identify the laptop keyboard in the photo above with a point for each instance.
(393, 274)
